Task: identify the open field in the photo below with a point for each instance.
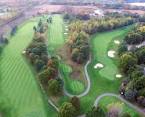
(18, 82)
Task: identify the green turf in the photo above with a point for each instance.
(56, 40)
(56, 33)
(73, 86)
(102, 81)
(104, 102)
(18, 82)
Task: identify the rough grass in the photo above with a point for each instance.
(18, 82)
(104, 102)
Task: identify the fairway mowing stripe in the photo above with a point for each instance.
(18, 79)
(13, 76)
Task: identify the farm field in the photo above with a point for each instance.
(18, 82)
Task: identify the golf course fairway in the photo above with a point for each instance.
(102, 80)
(18, 82)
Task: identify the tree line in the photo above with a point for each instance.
(132, 65)
(80, 32)
(136, 36)
(46, 67)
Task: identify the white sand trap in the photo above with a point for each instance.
(24, 52)
(66, 29)
(118, 76)
(117, 42)
(66, 26)
(65, 33)
(111, 53)
(98, 65)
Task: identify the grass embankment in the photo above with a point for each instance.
(18, 82)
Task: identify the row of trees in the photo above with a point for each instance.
(81, 30)
(136, 36)
(46, 67)
(72, 109)
(132, 65)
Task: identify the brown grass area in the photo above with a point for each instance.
(78, 69)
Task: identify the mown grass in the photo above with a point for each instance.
(102, 81)
(18, 82)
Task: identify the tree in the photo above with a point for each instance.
(54, 88)
(141, 55)
(76, 103)
(125, 115)
(127, 61)
(130, 94)
(14, 30)
(40, 23)
(39, 64)
(122, 48)
(134, 38)
(114, 109)
(67, 110)
(46, 75)
(96, 112)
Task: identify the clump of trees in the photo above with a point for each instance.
(14, 30)
(46, 67)
(80, 32)
(132, 65)
(71, 108)
(136, 36)
(79, 47)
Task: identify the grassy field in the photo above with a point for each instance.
(18, 82)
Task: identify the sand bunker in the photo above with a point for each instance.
(65, 33)
(66, 29)
(111, 53)
(24, 52)
(98, 65)
(118, 76)
(117, 42)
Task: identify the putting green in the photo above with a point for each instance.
(100, 52)
(18, 82)
(102, 81)
(76, 87)
(73, 86)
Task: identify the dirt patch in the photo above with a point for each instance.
(78, 70)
